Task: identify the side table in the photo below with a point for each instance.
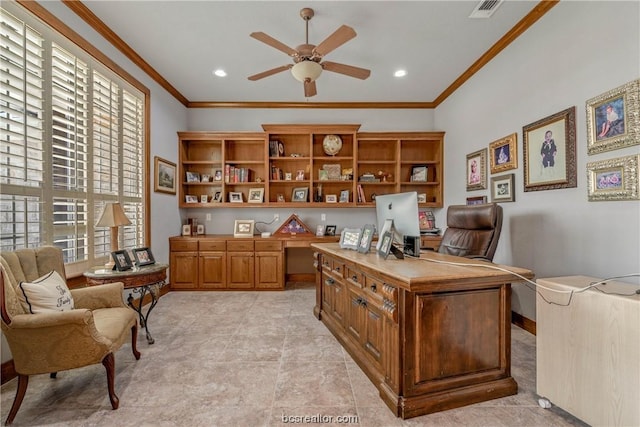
(143, 280)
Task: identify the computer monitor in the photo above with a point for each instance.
(402, 208)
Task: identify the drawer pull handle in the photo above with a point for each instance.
(354, 278)
(329, 282)
(374, 288)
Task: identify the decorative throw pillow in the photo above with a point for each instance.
(46, 294)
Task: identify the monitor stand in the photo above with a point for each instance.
(396, 251)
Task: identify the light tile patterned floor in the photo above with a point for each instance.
(251, 359)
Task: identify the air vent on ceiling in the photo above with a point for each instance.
(485, 8)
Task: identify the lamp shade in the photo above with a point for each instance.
(306, 69)
(112, 216)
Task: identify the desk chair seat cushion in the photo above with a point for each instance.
(47, 293)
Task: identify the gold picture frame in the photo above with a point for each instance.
(503, 153)
(550, 152)
(614, 179)
(477, 170)
(613, 119)
(165, 176)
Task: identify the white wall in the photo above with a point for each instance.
(575, 52)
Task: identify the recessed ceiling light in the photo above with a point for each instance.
(400, 73)
(220, 72)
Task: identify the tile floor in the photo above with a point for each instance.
(251, 359)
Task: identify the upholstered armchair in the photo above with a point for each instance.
(472, 231)
(95, 323)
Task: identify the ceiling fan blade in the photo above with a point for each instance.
(338, 38)
(348, 70)
(310, 89)
(271, 72)
(264, 38)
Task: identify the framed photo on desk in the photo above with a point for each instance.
(143, 256)
(122, 260)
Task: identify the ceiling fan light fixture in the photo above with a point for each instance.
(306, 69)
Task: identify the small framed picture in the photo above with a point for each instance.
(322, 175)
(477, 170)
(287, 176)
(193, 177)
(614, 179)
(191, 198)
(280, 198)
(330, 230)
(300, 175)
(344, 196)
(143, 256)
(350, 238)
(217, 197)
(502, 189)
(419, 173)
(365, 238)
(122, 260)
(186, 229)
(200, 229)
(320, 230)
(256, 195)
(217, 175)
(299, 194)
(385, 244)
(204, 198)
(503, 153)
(480, 200)
(331, 198)
(205, 178)
(235, 197)
(243, 228)
(422, 198)
(165, 181)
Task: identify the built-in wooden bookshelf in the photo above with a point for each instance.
(287, 166)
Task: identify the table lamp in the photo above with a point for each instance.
(112, 216)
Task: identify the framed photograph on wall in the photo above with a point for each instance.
(143, 256)
(502, 188)
(477, 170)
(503, 153)
(165, 176)
(613, 119)
(550, 152)
(614, 179)
(479, 200)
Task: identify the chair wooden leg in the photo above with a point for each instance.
(109, 363)
(134, 341)
(23, 382)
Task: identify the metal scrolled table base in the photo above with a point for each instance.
(154, 291)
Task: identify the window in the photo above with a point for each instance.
(72, 137)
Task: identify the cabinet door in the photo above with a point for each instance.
(269, 270)
(373, 342)
(240, 270)
(355, 315)
(340, 301)
(184, 270)
(212, 268)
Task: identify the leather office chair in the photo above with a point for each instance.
(472, 231)
(89, 333)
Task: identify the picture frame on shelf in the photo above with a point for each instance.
(502, 188)
(366, 236)
(293, 226)
(613, 119)
(287, 176)
(300, 175)
(243, 228)
(280, 198)
(322, 175)
(189, 198)
(344, 196)
(614, 179)
(550, 152)
(217, 197)
(205, 177)
(333, 171)
(419, 173)
(121, 260)
(165, 176)
(478, 200)
(477, 170)
(186, 230)
(422, 197)
(256, 195)
(331, 198)
(200, 229)
(193, 176)
(143, 256)
(350, 238)
(386, 240)
(217, 175)
(503, 153)
(204, 198)
(235, 197)
(330, 230)
(319, 230)
(299, 194)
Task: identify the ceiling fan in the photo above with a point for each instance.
(307, 58)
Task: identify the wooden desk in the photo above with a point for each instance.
(143, 280)
(430, 336)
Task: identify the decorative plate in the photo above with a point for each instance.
(332, 144)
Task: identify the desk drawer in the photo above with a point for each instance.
(212, 245)
(240, 245)
(184, 245)
(268, 245)
(354, 276)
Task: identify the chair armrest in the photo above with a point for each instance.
(100, 296)
(51, 320)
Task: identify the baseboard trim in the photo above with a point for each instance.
(524, 323)
(301, 277)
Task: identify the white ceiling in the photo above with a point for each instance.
(185, 41)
